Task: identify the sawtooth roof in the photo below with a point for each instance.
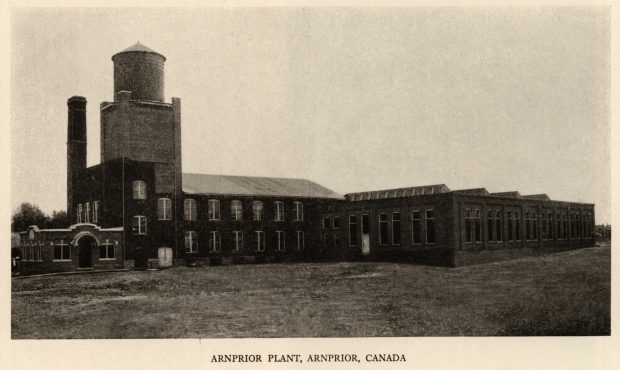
(247, 185)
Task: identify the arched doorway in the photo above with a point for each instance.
(86, 245)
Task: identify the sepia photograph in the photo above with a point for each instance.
(310, 172)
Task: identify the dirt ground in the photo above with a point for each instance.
(561, 294)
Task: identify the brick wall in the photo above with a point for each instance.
(140, 73)
(139, 131)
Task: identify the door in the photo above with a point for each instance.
(365, 234)
(86, 245)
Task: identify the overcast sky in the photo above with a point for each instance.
(354, 99)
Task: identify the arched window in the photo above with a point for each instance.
(214, 209)
(164, 209)
(257, 210)
(189, 209)
(299, 211)
(139, 189)
(236, 210)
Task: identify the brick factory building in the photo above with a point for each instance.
(138, 205)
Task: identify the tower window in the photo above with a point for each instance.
(79, 213)
(87, 212)
(139, 189)
(95, 211)
(164, 209)
(139, 225)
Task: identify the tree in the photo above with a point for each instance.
(28, 214)
(58, 220)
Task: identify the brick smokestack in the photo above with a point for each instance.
(76, 149)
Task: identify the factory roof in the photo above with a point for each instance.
(248, 185)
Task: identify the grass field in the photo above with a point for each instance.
(561, 294)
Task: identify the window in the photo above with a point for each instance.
(498, 226)
(326, 223)
(238, 240)
(95, 211)
(139, 189)
(301, 243)
(189, 209)
(336, 222)
(260, 240)
(106, 250)
(191, 242)
(396, 228)
(87, 212)
(544, 233)
(257, 210)
(299, 211)
(236, 210)
(62, 251)
(430, 226)
(352, 230)
(534, 219)
(490, 223)
(517, 226)
(383, 229)
(214, 210)
(279, 211)
(164, 209)
(215, 241)
(416, 228)
(281, 240)
(139, 225)
(558, 220)
(550, 233)
(79, 213)
(509, 226)
(527, 219)
(473, 226)
(565, 226)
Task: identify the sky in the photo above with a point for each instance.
(354, 99)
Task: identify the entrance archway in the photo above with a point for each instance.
(86, 245)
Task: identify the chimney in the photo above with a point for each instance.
(76, 149)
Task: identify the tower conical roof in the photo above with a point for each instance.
(140, 48)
